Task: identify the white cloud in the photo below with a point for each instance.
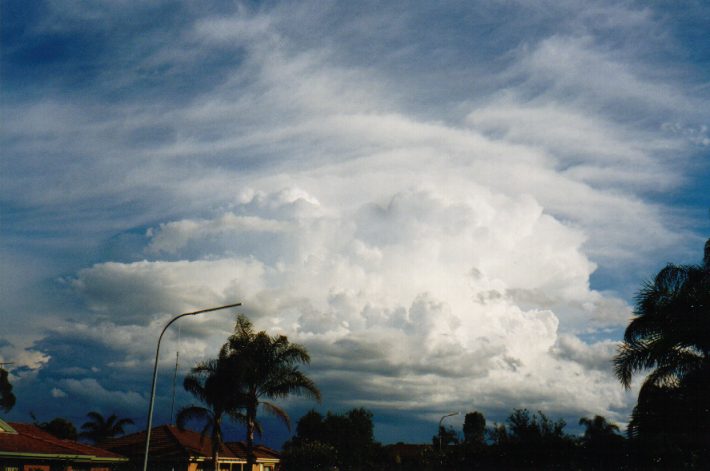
(427, 288)
(422, 207)
(580, 68)
(586, 148)
(91, 389)
(136, 293)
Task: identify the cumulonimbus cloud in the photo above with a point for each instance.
(424, 215)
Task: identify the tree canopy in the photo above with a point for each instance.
(474, 428)
(670, 337)
(214, 385)
(251, 370)
(264, 368)
(98, 428)
(346, 440)
(59, 427)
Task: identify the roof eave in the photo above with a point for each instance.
(62, 456)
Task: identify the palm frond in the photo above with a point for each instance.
(237, 415)
(286, 381)
(277, 412)
(193, 413)
(193, 385)
(670, 336)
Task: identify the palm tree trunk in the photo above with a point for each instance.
(251, 424)
(216, 442)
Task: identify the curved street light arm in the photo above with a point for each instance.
(155, 373)
(441, 420)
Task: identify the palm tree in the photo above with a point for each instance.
(598, 429)
(670, 335)
(267, 368)
(97, 428)
(601, 446)
(215, 387)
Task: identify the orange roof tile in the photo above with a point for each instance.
(169, 442)
(239, 449)
(30, 439)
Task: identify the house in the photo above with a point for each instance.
(172, 449)
(26, 447)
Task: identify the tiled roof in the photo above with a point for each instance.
(166, 441)
(30, 439)
(239, 449)
(169, 442)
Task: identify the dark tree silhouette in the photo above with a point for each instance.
(309, 456)
(474, 428)
(670, 335)
(524, 427)
(7, 398)
(598, 429)
(59, 427)
(343, 440)
(98, 428)
(310, 427)
(445, 436)
(601, 445)
(213, 385)
(264, 367)
(532, 441)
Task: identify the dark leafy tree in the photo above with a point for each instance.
(350, 435)
(445, 451)
(7, 398)
(310, 427)
(498, 434)
(670, 336)
(524, 427)
(307, 455)
(98, 428)
(446, 436)
(474, 446)
(353, 437)
(474, 428)
(532, 440)
(598, 429)
(264, 368)
(602, 446)
(59, 427)
(214, 386)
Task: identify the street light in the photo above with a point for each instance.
(440, 422)
(155, 373)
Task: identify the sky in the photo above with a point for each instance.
(449, 204)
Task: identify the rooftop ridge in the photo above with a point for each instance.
(65, 447)
(171, 431)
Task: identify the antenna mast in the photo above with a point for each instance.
(177, 358)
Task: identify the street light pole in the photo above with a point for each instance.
(155, 373)
(440, 422)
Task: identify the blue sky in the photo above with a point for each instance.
(451, 204)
